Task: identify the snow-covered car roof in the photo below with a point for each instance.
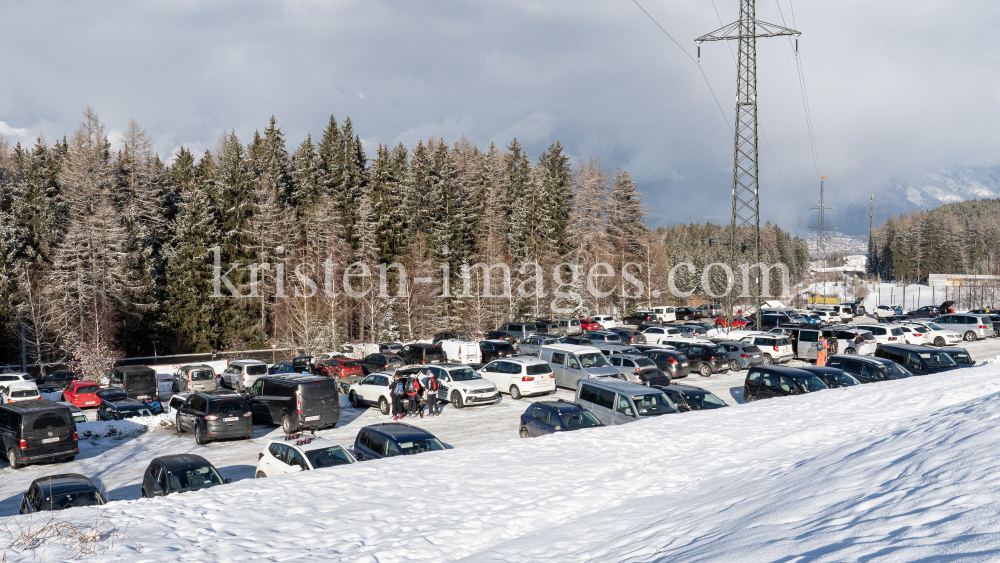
(304, 443)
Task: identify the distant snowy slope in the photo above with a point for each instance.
(897, 471)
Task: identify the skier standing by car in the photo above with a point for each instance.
(396, 391)
(413, 394)
(431, 387)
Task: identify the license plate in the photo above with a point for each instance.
(90, 402)
(311, 418)
(141, 397)
(684, 364)
(233, 419)
(50, 440)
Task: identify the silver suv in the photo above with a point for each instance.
(519, 331)
(971, 327)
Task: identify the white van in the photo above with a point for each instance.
(359, 351)
(843, 311)
(461, 351)
(571, 363)
(242, 374)
(664, 314)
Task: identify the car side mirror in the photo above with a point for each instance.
(227, 480)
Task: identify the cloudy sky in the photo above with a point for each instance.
(894, 87)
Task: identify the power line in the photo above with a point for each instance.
(802, 88)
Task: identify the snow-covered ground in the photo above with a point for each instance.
(897, 470)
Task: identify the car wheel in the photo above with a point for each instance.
(198, 438)
(524, 433)
(515, 393)
(12, 459)
(456, 399)
(175, 388)
(735, 365)
(383, 405)
(768, 360)
(260, 475)
(750, 398)
(939, 341)
(177, 424)
(69, 458)
(286, 424)
(850, 351)
(355, 402)
(705, 370)
(970, 336)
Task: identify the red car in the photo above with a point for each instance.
(83, 394)
(340, 367)
(590, 324)
(738, 322)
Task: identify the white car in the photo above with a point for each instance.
(884, 334)
(461, 351)
(656, 334)
(295, 453)
(664, 314)
(847, 340)
(776, 348)
(939, 336)
(520, 377)
(914, 334)
(372, 390)
(460, 384)
(828, 317)
(882, 311)
(17, 391)
(607, 322)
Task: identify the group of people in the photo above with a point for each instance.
(407, 392)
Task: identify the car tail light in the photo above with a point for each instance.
(260, 456)
(247, 414)
(775, 348)
(636, 370)
(211, 417)
(673, 361)
(918, 334)
(745, 356)
(23, 444)
(982, 326)
(298, 402)
(526, 378)
(892, 338)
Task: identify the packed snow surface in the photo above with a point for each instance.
(893, 471)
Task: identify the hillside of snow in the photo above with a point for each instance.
(897, 471)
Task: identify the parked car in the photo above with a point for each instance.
(59, 492)
(884, 334)
(520, 377)
(341, 367)
(707, 358)
(179, 473)
(518, 331)
(122, 409)
(664, 314)
(139, 381)
(638, 318)
(844, 312)
(82, 394)
(37, 431)
(630, 366)
(656, 334)
(603, 336)
(673, 362)
(16, 387)
(616, 402)
(214, 415)
(462, 386)
(77, 413)
(194, 378)
(492, 349)
(741, 354)
(630, 336)
(691, 398)
(918, 360)
(549, 417)
(381, 362)
(710, 310)
(447, 335)
(111, 394)
(280, 368)
(462, 351)
(914, 334)
(607, 322)
(686, 313)
(575, 341)
(805, 340)
(939, 336)
(971, 327)
(19, 378)
(419, 354)
(296, 453)
(611, 349)
(295, 402)
(533, 344)
(573, 363)
(242, 374)
(883, 311)
(927, 312)
(856, 340)
(775, 348)
(832, 377)
(868, 369)
(374, 390)
(765, 382)
(392, 439)
(654, 377)
(567, 327)
(589, 324)
(960, 356)
(62, 378)
(829, 317)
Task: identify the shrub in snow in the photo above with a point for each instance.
(128, 427)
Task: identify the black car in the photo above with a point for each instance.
(629, 336)
(59, 492)
(764, 382)
(673, 362)
(960, 356)
(179, 473)
(446, 335)
(767, 322)
(707, 359)
(691, 398)
(417, 354)
(867, 369)
(494, 349)
(919, 360)
(549, 417)
(122, 409)
(296, 402)
(138, 381)
(928, 312)
(61, 378)
(392, 439)
(574, 340)
(832, 377)
(653, 377)
(37, 431)
(381, 362)
(636, 319)
(112, 394)
(498, 335)
(215, 415)
(686, 313)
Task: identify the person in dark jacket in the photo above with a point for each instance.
(396, 392)
(413, 395)
(431, 387)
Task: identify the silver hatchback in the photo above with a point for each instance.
(971, 327)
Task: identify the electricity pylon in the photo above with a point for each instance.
(821, 228)
(746, 206)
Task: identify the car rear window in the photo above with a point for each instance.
(88, 389)
(538, 369)
(202, 375)
(751, 349)
(644, 362)
(350, 364)
(319, 391)
(24, 393)
(256, 369)
(227, 406)
(47, 419)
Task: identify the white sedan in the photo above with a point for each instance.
(937, 335)
(656, 334)
(295, 453)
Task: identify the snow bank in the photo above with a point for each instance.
(128, 427)
(901, 471)
(57, 396)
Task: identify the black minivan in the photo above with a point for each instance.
(764, 382)
(295, 401)
(867, 369)
(138, 381)
(37, 431)
(920, 360)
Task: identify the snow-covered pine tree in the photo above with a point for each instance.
(557, 187)
(306, 175)
(518, 171)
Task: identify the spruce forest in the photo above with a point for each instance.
(113, 250)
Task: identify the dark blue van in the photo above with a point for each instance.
(392, 439)
(919, 360)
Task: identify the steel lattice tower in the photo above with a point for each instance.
(746, 204)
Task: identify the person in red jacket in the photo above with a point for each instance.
(413, 394)
(431, 387)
